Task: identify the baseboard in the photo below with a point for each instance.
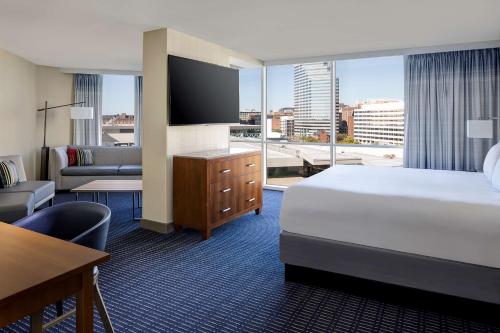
(160, 227)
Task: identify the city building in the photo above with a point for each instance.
(277, 115)
(379, 122)
(286, 126)
(118, 130)
(250, 116)
(347, 120)
(312, 98)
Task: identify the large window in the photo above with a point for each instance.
(299, 122)
(250, 128)
(324, 113)
(299, 102)
(370, 111)
(118, 110)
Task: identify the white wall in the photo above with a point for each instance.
(18, 119)
(24, 87)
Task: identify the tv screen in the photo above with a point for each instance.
(202, 93)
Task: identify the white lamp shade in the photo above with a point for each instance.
(480, 129)
(81, 112)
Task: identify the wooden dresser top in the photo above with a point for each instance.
(213, 154)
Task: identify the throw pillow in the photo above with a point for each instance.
(71, 151)
(84, 157)
(8, 174)
(491, 160)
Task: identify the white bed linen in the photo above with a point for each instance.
(444, 214)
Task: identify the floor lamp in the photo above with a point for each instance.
(44, 157)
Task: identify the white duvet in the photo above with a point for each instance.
(444, 214)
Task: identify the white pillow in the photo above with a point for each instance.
(495, 177)
(491, 160)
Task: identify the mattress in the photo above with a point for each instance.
(449, 215)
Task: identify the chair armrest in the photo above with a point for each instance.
(58, 160)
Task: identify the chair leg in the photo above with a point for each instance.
(59, 308)
(101, 308)
(36, 322)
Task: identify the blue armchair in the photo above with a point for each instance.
(83, 223)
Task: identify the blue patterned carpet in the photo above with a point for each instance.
(234, 282)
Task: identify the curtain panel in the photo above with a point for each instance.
(138, 111)
(443, 91)
(88, 89)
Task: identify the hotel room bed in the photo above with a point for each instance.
(428, 229)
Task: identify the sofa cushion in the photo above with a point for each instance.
(40, 189)
(93, 170)
(84, 157)
(106, 155)
(8, 174)
(130, 170)
(71, 151)
(16, 205)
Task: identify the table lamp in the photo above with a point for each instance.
(480, 129)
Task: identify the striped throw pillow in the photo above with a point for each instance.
(84, 157)
(8, 174)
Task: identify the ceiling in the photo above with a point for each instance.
(107, 34)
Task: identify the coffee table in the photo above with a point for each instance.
(113, 185)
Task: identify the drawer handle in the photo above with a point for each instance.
(225, 170)
(226, 190)
(225, 210)
(251, 165)
(251, 182)
(250, 200)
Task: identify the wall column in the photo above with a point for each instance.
(154, 144)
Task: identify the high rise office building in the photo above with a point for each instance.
(313, 98)
(379, 122)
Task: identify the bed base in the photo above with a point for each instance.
(391, 276)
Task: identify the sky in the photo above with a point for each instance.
(117, 94)
(359, 79)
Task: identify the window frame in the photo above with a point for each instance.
(333, 122)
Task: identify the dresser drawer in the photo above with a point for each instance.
(222, 190)
(225, 206)
(223, 169)
(248, 183)
(249, 164)
(250, 199)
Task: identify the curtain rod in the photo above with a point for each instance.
(99, 71)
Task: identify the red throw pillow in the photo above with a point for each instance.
(71, 156)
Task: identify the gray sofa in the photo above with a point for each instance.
(109, 163)
(21, 200)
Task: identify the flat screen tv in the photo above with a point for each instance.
(202, 93)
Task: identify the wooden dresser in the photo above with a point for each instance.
(213, 187)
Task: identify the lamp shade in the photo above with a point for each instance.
(81, 112)
(480, 129)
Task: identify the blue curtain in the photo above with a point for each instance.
(443, 91)
(88, 89)
(138, 111)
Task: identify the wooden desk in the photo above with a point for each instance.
(38, 270)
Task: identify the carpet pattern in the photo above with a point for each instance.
(233, 282)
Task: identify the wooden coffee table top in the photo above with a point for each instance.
(114, 185)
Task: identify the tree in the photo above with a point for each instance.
(348, 140)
